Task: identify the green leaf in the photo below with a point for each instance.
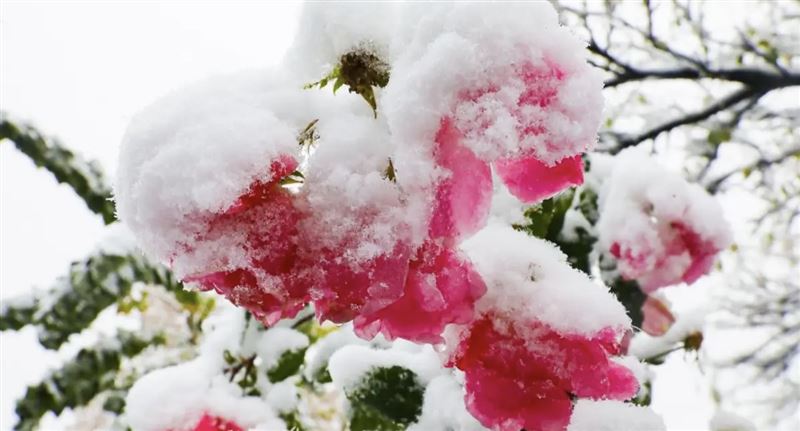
(115, 403)
(85, 177)
(292, 421)
(631, 296)
(546, 219)
(288, 365)
(91, 286)
(313, 330)
(90, 372)
(388, 398)
(323, 375)
(338, 84)
(719, 136)
(645, 396)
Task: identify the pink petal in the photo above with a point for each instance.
(524, 375)
(464, 198)
(213, 423)
(532, 181)
(657, 317)
(259, 190)
(269, 302)
(703, 252)
(343, 292)
(263, 227)
(442, 287)
(501, 403)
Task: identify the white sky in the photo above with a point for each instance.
(80, 71)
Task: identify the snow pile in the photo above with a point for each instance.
(727, 421)
(351, 363)
(274, 342)
(187, 395)
(661, 229)
(443, 407)
(613, 416)
(529, 279)
(177, 397)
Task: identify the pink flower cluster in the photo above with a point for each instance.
(523, 375)
(409, 292)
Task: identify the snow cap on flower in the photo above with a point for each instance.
(356, 238)
(523, 334)
(193, 153)
(529, 278)
(661, 229)
(326, 32)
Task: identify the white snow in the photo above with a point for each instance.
(727, 421)
(443, 407)
(176, 397)
(613, 416)
(529, 279)
(349, 364)
(275, 341)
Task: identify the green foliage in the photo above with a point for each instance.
(313, 330)
(388, 398)
(323, 375)
(547, 218)
(579, 246)
(85, 177)
(243, 371)
(360, 70)
(719, 136)
(90, 372)
(91, 286)
(578, 249)
(631, 296)
(292, 421)
(645, 396)
(288, 365)
(115, 402)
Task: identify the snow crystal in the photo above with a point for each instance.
(613, 416)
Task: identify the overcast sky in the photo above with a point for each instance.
(80, 71)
